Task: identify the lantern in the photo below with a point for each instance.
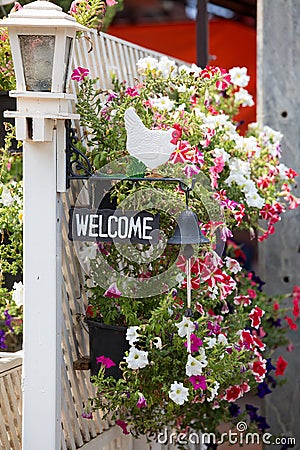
(42, 39)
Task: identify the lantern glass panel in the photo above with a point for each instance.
(69, 42)
(37, 53)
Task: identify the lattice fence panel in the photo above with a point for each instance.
(10, 401)
(103, 55)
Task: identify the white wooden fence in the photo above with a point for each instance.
(10, 400)
(102, 54)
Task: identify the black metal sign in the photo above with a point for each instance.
(118, 226)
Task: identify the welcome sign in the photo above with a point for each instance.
(113, 226)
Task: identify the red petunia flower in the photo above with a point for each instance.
(281, 365)
(255, 316)
(291, 323)
(177, 133)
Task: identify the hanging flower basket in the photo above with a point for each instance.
(109, 341)
(201, 335)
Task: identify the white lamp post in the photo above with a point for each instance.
(42, 39)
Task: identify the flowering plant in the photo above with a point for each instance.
(180, 371)
(91, 13)
(7, 75)
(11, 242)
(11, 302)
(95, 13)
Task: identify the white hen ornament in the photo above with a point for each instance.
(152, 147)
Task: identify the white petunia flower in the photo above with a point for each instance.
(238, 166)
(145, 64)
(249, 187)
(132, 334)
(217, 152)
(178, 393)
(137, 359)
(282, 168)
(213, 391)
(236, 177)
(184, 326)
(233, 265)
(222, 339)
(184, 68)
(239, 76)
(157, 342)
(249, 145)
(182, 88)
(196, 70)
(6, 198)
(163, 103)
(18, 293)
(210, 342)
(193, 366)
(167, 67)
(254, 199)
(243, 98)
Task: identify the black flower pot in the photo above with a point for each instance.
(109, 341)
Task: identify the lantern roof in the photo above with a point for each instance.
(42, 13)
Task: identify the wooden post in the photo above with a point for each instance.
(42, 305)
(279, 256)
(202, 33)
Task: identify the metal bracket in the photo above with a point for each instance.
(78, 165)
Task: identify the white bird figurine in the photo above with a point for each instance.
(152, 147)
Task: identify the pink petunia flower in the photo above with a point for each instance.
(198, 382)
(87, 415)
(106, 362)
(17, 6)
(122, 425)
(79, 73)
(112, 292)
(141, 403)
(190, 170)
(111, 2)
(132, 92)
(195, 343)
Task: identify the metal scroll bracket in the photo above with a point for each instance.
(78, 165)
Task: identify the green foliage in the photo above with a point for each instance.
(94, 13)
(7, 76)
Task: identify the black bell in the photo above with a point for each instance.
(187, 230)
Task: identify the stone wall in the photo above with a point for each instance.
(279, 257)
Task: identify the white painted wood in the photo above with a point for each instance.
(42, 312)
(9, 361)
(112, 436)
(10, 400)
(6, 2)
